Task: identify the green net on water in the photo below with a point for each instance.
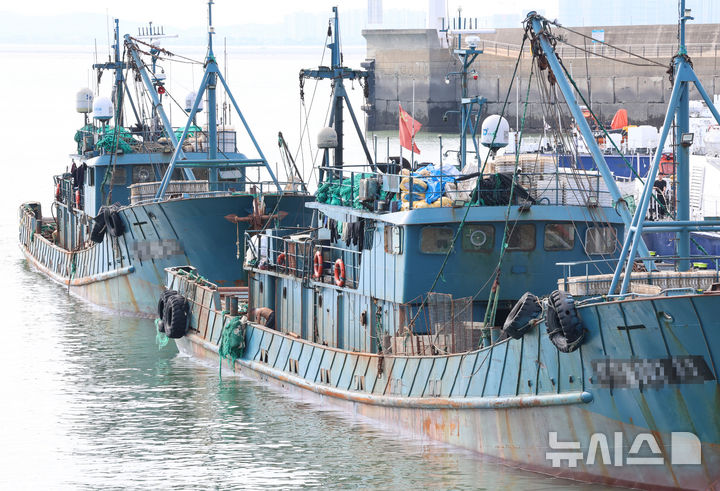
(161, 339)
(343, 193)
(232, 341)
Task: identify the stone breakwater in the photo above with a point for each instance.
(397, 57)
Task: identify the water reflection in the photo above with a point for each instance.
(94, 403)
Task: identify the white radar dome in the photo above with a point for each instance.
(490, 125)
(84, 101)
(103, 109)
(327, 138)
(190, 100)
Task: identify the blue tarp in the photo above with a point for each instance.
(436, 180)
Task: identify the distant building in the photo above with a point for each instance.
(436, 12)
(375, 12)
(636, 12)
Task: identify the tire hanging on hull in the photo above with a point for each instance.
(564, 325)
(114, 222)
(161, 307)
(176, 319)
(519, 321)
(98, 231)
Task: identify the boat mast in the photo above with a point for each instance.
(118, 65)
(538, 32)
(467, 58)
(678, 109)
(118, 78)
(209, 82)
(211, 85)
(336, 58)
(338, 73)
(682, 127)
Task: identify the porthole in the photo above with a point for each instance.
(478, 238)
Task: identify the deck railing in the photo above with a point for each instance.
(287, 252)
(579, 50)
(146, 141)
(145, 192)
(663, 279)
(539, 181)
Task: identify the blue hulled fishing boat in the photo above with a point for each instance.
(144, 196)
(376, 308)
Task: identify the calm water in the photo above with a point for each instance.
(88, 400)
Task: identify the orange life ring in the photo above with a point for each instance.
(317, 265)
(57, 192)
(77, 199)
(281, 260)
(339, 271)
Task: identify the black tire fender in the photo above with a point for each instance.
(564, 326)
(176, 316)
(114, 222)
(98, 231)
(518, 322)
(163, 301)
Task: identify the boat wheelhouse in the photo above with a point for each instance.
(145, 196)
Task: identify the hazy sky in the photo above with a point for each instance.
(184, 13)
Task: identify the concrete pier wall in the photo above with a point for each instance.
(400, 58)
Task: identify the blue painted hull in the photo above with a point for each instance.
(505, 401)
(127, 274)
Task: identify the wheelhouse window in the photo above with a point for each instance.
(119, 176)
(435, 240)
(559, 237)
(477, 238)
(600, 240)
(522, 238)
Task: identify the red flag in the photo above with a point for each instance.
(408, 129)
(620, 120)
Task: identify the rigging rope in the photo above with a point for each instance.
(586, 51)
(578, 33)
(469, 205)
(307, 110)
(607, 135)
(164, 51)
(491, 308)
(662, 205)
(561, 139)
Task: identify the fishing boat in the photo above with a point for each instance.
(376, 309)
(387, 236)
(146, 195)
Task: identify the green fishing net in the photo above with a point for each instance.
(232, 341)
